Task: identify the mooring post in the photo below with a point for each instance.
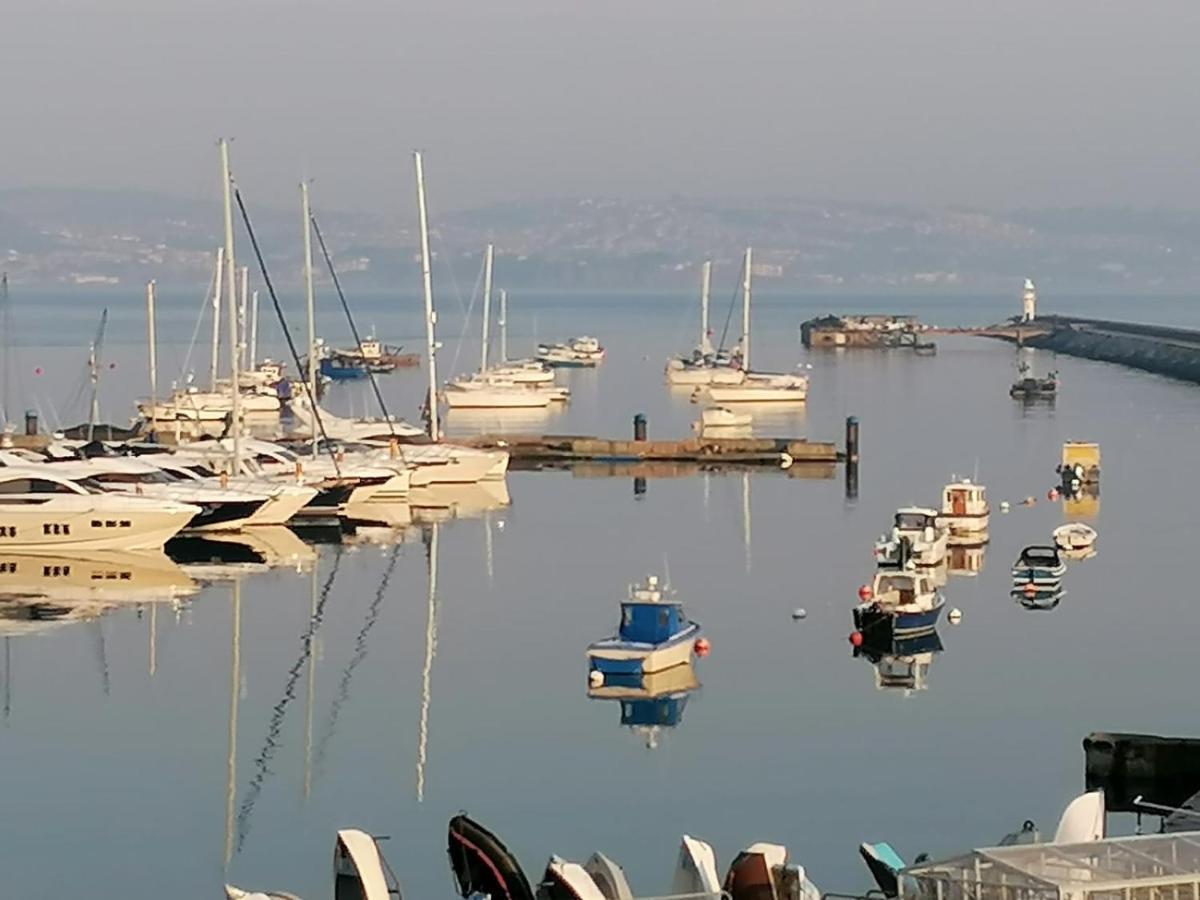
(31, 421)
(639, 487)
(639, 427)
(852, 458)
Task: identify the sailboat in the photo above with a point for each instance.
(705, 365)
(756, 387)
(498, 388)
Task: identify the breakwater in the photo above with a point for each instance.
(1174, 352)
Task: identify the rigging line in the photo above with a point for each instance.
(462, 335)
(732, 305)
(262, 267)
(360, 654)
(279, 711)
(204, 307)
(337, 283)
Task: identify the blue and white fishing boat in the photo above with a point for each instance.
(1039, 565)
(903, 603)
(655, 634)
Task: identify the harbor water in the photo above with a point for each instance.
(163, 751)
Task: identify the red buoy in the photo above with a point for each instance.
(1052, 494)
(702, 646)
(865, 593)
(856, 639)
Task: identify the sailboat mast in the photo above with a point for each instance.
(6, 322)
(254, 330)
(243, 291)
(427, 287)
(219, 281)
(94, 374)
(310, 307)
(503, 325)
(152, 347)
(705, 283)
(230, 291)
(746, 310)
(487, 306)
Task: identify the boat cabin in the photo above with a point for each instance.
(651, 622)
(915, 518)
(371, 348)
(900, 587)
(964, 498)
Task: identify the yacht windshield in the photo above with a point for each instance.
(913, 521)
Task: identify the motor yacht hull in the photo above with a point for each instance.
(617, 657)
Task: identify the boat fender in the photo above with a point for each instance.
(786, 460)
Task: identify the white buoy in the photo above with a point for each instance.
(595, 678)
(799, 613)
(955, 616)
(1004, 507)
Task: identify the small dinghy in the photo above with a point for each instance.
(885, 865)
(566, 880)
(609, 877)
(482, 864)
(696, 870)
(359, 870)
(1074, 536)
(761, 872)
(1039, 565)
(234, 893)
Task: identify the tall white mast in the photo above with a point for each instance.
(746, 310)
(230, 291)
(705, 283)
(218, 284)
(503, 325)
(152, 344)
(254, 330)
(487, 306)
(243, 291)
(310, 309)
(427, 286)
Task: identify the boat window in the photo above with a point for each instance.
(911, 520)
(680, 617)
(626, 616)
(663, 618)
(34, 486)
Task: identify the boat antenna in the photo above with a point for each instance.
(337, 284)
(666, 572)
(6, 348)
(287, 334)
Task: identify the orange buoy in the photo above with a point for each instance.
(702, 646)
(856, 639)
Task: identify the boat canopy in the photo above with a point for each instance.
(651, 623)
(1149, 867)
(916, 518)
(1041, 555)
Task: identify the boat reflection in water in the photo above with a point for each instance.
(966, 562)
(1082, 502)
(221, 557)
(440, 502)
(650, 702)
(902, 664)
(39, 590)
(1040, 597)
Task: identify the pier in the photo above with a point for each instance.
(1163, 350)
(546, 451)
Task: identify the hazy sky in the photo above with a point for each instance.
(978, 102)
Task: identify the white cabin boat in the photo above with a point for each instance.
(488, 393)
(918, 529)
(965, 512)
(578, 352)
(761, 388)
(42, 511)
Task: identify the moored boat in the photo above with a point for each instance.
(917, 537)
(578, 352)
(965, 512)
(900, 604)
(482, 864)
(654, 634)
(760, 387)
(1039, 565)
(1074, 536)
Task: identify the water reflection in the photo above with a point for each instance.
(649, 703)
(966, 562)
(1082, 503)
(902, 664)
(222, 557)
(431, 556)
(1040, 598)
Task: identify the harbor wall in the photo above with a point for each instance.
(1173, 352)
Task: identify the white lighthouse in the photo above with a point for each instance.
(1028, 301)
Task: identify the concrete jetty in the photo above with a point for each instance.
(539, 450)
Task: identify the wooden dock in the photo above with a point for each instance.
(534, 451)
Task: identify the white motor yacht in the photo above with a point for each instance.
(43, 511)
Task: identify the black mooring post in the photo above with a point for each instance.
(639, 427)
(852, 458)
(639, 487)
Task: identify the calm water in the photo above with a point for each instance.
(116, 778)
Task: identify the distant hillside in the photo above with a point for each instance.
(97, 236)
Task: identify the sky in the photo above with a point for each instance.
(991, 103)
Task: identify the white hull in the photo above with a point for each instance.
(209, 407)
(965, 525)
(677, 654)
(282, 507)
(32, 529)
(484, 396)
(750, 393)
(704, 375)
